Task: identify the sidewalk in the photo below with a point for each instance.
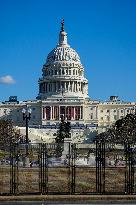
(69, 198)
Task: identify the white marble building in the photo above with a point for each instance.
(63, 88)
(63, 91)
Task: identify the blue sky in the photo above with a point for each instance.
(103, 32)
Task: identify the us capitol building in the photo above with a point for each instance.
(63, 91)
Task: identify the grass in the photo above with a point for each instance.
(59, 180)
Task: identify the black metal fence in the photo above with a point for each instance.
(99, 168)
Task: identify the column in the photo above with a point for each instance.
(65, 112)
(82, 117)
(80, 86)
(96, 113)
(58, 115)
(58, 84)
(69, 86)
(42, 87)
(71, 113)
(64, 86)
(47, 87)
(77, 87)
(59, 112)
(73, 86)
(44, 112)
(55, 87)
(51, 86)
(68, 112)
(59, 88)
(80, 113)
(74, 113)
(51, 112)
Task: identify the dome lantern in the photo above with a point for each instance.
(62, 35)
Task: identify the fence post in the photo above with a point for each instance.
(73, 176)
(43, 165)
(13, 168)
(129, 173)
(100, 166)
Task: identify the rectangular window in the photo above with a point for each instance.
(108, 118)
(115, 117)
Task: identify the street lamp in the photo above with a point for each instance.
(26, 117)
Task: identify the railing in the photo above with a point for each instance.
(56, 126)
(97, 168)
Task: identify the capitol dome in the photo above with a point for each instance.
(63, 52)
(63, 71)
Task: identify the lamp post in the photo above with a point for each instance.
(26, 117)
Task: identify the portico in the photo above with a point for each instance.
(56, 112)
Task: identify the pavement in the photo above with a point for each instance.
(67, 199)
(63, 203)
